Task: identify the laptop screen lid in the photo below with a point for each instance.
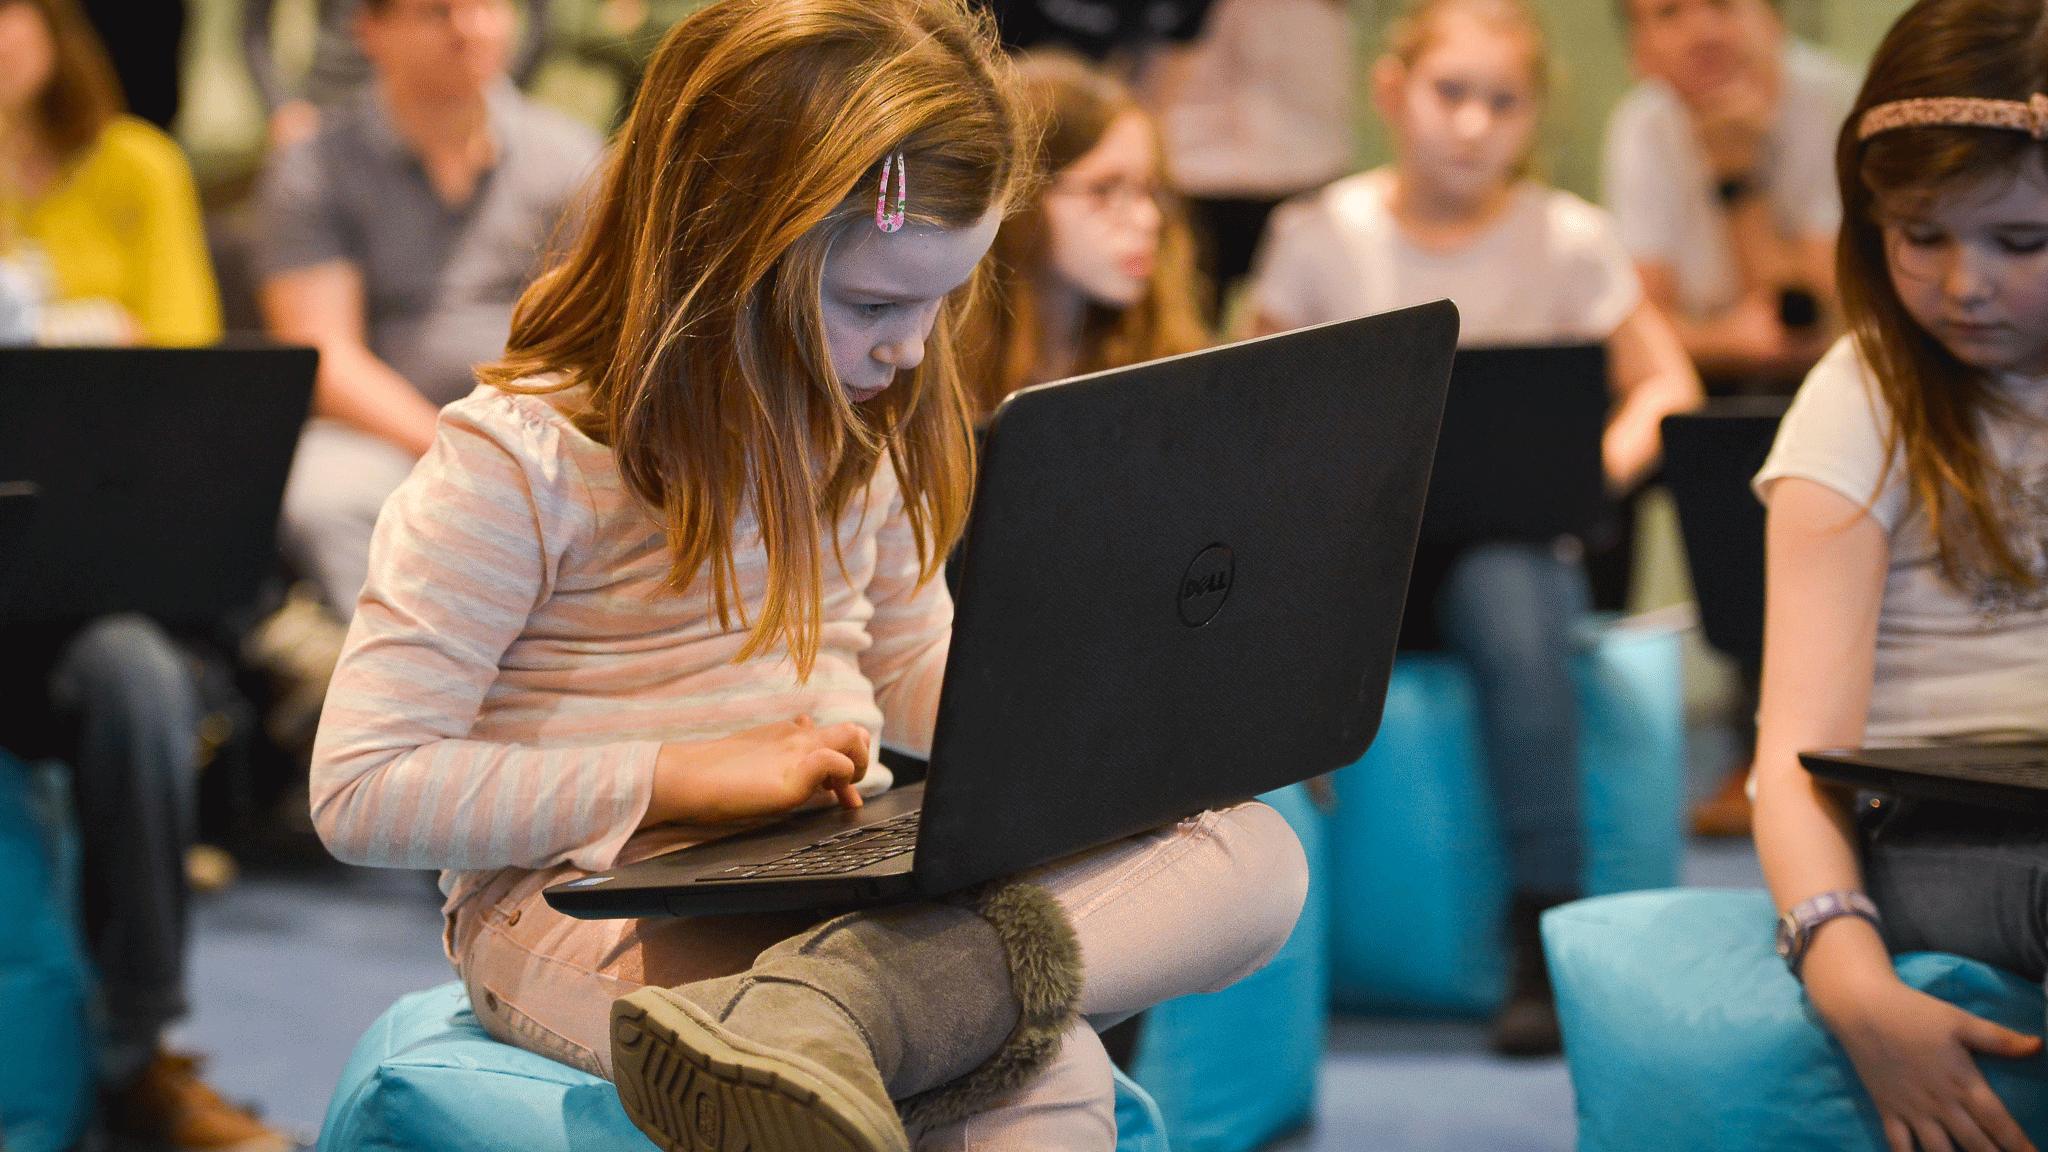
(1519, 457)
(1710, 456)
(1182, 588)
(158, 472)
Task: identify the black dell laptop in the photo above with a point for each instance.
(2008, 777)
(157, 475)
(1182, 587)
(1710, 457)
(1519, 458)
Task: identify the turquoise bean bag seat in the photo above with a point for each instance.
(1684, 1031)
(1418, 867)
(1233, 1069)
(45, 1056)
(427, 1078)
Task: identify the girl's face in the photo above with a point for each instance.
(28, 57)
(1970, 263)
(1102, 215)
(1464, 114)
(880, 294)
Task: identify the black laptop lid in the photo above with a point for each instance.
(158, 477)
(1710, 457)
(1519, 457)
(1182, 586)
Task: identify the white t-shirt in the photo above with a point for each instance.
(1953, 662)
(1657, 184)
(1264, 106)
(1549, 271)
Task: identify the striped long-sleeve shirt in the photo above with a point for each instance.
(515, 662)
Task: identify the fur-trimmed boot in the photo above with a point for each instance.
(811, 1049)
(1527, 1022)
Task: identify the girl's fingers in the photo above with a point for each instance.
(1898, 1137)
(1965, 1131)
(1932, 1138)
(848, 796)
(849, 740)
(1990, 1115)
(1981, 1035)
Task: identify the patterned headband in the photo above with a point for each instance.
(2029, 116)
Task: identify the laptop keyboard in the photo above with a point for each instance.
(848, 851)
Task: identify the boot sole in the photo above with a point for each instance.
(692, 1086)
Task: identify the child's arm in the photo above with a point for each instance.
(912, 631)
(463, 552)
(1825, 581)
(1652, 378)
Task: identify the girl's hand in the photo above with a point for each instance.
(763, 771)
(1913, 1053)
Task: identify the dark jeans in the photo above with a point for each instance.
(124, 705)
(1973, 881)
(1511, 610)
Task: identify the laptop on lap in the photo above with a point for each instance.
(2008, 777)
(1182, 588)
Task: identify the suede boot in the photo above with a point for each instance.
(1527, 1023)
(942, 1006)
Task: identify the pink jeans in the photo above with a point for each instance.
(1190, 908)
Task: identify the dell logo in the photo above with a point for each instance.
(1206, 585)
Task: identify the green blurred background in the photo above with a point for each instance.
(222, 120)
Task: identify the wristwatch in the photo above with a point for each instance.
(1733, 190)
(1797, 926)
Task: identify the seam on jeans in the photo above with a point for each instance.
(556, 961)
(535, 1036)
(1162, 855)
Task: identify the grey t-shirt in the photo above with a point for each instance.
(439, 282)
(1954, 662)
(1657, 185)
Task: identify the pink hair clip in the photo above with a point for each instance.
(886, 218)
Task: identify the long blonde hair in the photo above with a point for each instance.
(1995, 49)
(688, 303)
(1073, 106)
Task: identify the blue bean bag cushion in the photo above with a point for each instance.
(427, 1078)
(1418, 867)
(45, 1059)
(1233, 1069)
(1684, 1031)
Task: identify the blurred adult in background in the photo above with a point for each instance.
(1095, 269)
(99, 227)
(96, 205)
(396, 240)
(1257, 109)
(146, 43)
(1719, 170)
(339, 69)
(1720, 174)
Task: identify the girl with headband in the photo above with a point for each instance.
(1908, 564)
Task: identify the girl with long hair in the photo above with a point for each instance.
(1907, 563)
(1095, 268)
(672, 569)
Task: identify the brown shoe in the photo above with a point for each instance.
(170, 1105)
(1726, 812)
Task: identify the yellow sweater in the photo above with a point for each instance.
(122, 224)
